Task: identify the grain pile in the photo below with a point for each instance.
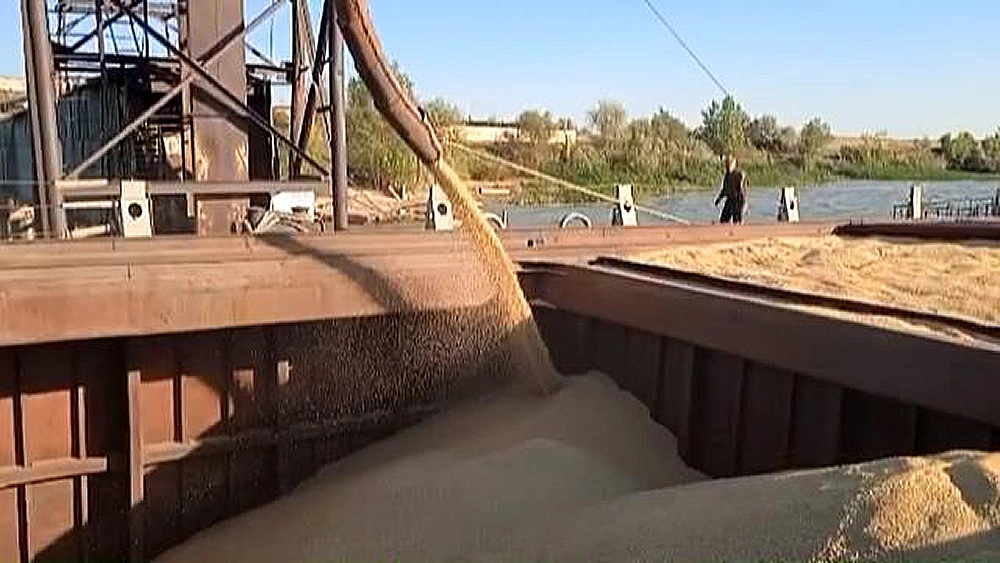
(955, 279)
(930, 509)
(467, 483)
(516, 477)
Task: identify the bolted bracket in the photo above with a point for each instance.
(624, 214)
(788, 206)
(916, 208)
(439, 211)
(134, 210)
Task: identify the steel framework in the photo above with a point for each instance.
(181, 69)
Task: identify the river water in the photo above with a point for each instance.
(846, 200)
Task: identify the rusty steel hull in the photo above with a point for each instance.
(57, 291)
(123, 433)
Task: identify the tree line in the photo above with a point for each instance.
(655, 153)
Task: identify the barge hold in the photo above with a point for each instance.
(155, 398)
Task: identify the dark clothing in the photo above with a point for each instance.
(734, 192)
(732, 212)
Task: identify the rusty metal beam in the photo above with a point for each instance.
(295, 79)
(35, 125)
(51, 470)
(981, 230)
(172, 93)
(305, 279)
(42, 100)
(223, 94)
(309, 112)
(136, 466)
(338, 119)
(951, 376)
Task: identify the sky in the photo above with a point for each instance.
(912, 69)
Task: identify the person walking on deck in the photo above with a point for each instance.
(734, 192)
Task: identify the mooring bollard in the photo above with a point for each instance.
(575, 217)
(788, 206)
(439, 212)
(623, 214)
(916, 210)
(133, 208)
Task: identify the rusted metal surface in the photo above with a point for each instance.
(89, 289)
(981, 230)
(185, 430)
(121, 446)
(221, 215)
(581, 245)
(947, 375)
(153, 287)
(220, 138)
(737, 416)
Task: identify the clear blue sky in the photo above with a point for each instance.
(913, 68)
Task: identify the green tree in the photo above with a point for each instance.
(991, 150)
(536, 127)
(961, 151)
(532, 145)
(666, 127)
(444, 116)
(788, 140)
(609, 119)
(375, 153)
(765, 134)
(724, 127)
(815, 136)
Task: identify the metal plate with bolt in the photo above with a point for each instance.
(439, 212)
(788, 206)
(624, 213)
(134, 210)
(916, 202)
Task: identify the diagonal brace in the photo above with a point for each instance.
(221, 93)
(172, 93)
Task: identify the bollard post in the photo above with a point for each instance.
(788, 206)
(439, 211)
(624, 213)
(916, 202)
(134, 210)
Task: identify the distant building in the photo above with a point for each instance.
(13, 92)
(490, 132)
(13, 85)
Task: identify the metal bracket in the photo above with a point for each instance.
(916, 210)
(624, 213)
(439, 211)
(135, 210)
(788, 206)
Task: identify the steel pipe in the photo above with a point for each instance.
(42, 98)
(338, 121)
(309, 113)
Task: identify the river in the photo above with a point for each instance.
(844, 200)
